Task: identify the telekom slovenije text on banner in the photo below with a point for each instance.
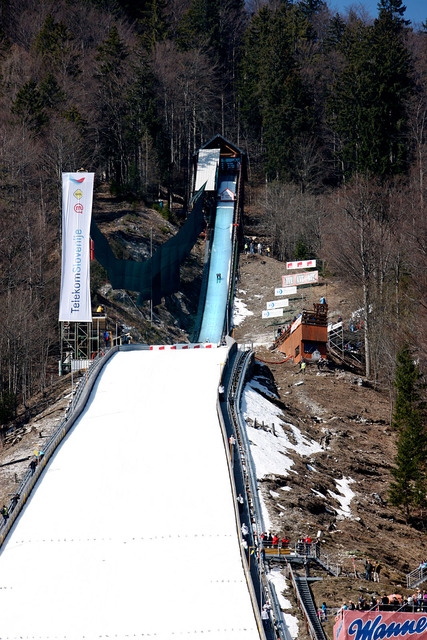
(77, 197)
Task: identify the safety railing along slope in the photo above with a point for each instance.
(416, 577)
(238, 376)
(76, 407)
(234, 252)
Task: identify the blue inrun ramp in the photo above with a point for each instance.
(219, 270)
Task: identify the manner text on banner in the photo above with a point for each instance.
(380, 625)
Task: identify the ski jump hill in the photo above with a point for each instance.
(131, 529)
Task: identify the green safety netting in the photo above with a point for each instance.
(159, 276)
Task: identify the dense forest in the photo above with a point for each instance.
(330, 109)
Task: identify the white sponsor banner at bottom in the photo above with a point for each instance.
(274, 313)
(277, 304)
(285, 291)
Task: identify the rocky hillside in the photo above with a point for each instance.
(350, 420)
(133, 231)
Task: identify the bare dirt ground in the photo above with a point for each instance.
(350, 419)
(26, 439)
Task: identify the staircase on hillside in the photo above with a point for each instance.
(323, 562)
(416, 577)
(305, 598)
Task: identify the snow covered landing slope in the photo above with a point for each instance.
(131, 532)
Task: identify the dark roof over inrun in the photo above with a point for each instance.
(223, 144)
(227, 148)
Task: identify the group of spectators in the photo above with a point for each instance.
(355, 325)
(5, 511)
(251, 247)
(372, 570)
(417, 601)
(393, 602)
(423, 566)
(273, 541)
(304, 546)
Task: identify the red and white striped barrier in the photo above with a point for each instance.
(177, 347)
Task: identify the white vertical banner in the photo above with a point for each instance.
(77, 196)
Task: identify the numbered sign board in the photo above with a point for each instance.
(274, 313)
(277, 304)
(285, 291)
(294, 279)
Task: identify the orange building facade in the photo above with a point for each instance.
(306, 335)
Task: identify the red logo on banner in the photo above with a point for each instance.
(78, 208)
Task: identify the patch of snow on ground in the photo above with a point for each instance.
(274, 494)
(258, 386)
(286, 488)
(317, 493)
(265, 515)
(345, 497)
(278, 579)
(304, 445)
(257, 408)
(269, 452)
(240, 311)
(263, 343)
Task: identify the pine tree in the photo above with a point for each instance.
(274, 101)
(153, 23)
(394, 82)
(54, 43)
(29, 106)
(409, 488)
(253, 56)
(199, 25)
(369, 99)
(112, 105)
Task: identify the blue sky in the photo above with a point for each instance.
(416, 10)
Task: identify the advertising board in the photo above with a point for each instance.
(301, 264)
(294, 279)
(274, 313)
(379, 625)
(285, 291)
(277, 304)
